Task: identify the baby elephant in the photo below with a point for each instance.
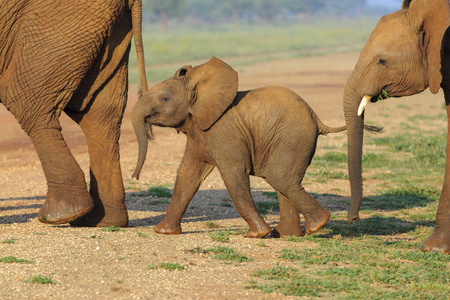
(268, 132)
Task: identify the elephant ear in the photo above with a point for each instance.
(405, 4)
(433, 18)
(216, 85)
(182, 71)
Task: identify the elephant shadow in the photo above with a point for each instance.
(214, 205)
(20, 217)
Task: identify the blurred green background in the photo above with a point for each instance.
(178, 32)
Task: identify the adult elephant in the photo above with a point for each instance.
(407, 52)
(72, 56)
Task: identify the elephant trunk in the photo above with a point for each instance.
(355, 132)
(136, 17)
(143, 133)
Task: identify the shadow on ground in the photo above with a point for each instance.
(213, 205)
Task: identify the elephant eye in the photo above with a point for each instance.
(164, 99)
(382, 62)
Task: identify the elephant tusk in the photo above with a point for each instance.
(363, 104)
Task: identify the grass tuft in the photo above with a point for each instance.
(12, 259)
(39, 279)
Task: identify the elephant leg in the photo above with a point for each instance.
(238, 185)
(100, 123)
(315, 214)
(440, 239)
(191, 173)
(67, 195)
(289, 224)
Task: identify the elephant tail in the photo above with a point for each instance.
(324, 129)
(136, 18)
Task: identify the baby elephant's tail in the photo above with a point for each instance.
(324, 129)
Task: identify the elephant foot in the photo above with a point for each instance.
(65, 207)
(103, 216)
(165, 228)
(283, 231)
(258, 231)
(439, 241)
(315, 221)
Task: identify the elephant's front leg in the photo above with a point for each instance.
(67, 196)
(191, 173)
(440, 239)
(238, 185)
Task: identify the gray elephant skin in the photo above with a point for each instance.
(407, 52)
(72, 56)
(268, 132)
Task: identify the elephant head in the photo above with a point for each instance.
(402, 57)
(200, 94)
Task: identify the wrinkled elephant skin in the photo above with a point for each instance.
(268, 132)
(71, 56)
(407, 52)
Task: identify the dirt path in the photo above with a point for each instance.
(88, 263)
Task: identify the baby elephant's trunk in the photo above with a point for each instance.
(143, 133)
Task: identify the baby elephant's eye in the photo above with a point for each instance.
(164, 99)
(382, 62)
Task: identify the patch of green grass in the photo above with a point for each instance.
(167, 266)
(9, 241)
(359, 268)
(220, 235)
(261, 244)
(210, 224)
(40, 279)
(332, 157)
(408, 196)
(229, 254)
(142, 235)
(159, 191)
(272, 195)
(265, 207)
(427, 150)
(112, 228)
(222, 253)
(262, 42)
(226, 202)
(324, 175)
(12, 259)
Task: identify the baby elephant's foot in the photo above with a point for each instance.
(316, 220)
(258, 231)
(165, 228)
(282, 231)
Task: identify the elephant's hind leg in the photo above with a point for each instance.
(100, 123)
(315, 214)
(238, 185)
(67, 196)
(289, 224)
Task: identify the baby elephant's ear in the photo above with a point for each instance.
(182, 71)
(216, 86)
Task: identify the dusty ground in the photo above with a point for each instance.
(87, 263)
